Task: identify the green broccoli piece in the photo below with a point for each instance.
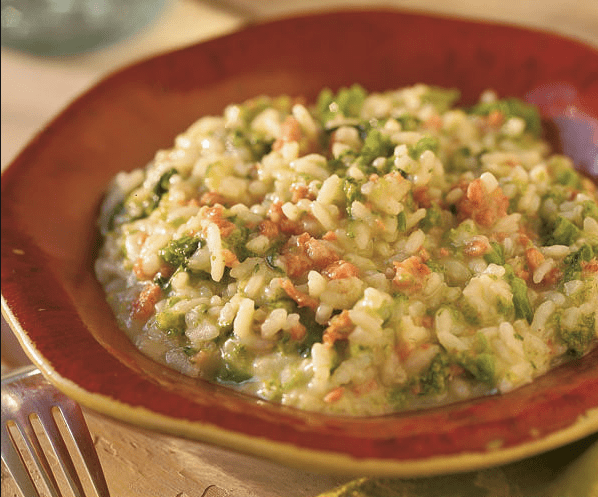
(513, 107)
(375, 145)
(480, 366)
(134, 208)
(589, 209)
(470, 313)
(236, 364)
(178, 251)
(160, 188)
(401, 221)
(441, 98)
(408, 122)
(230, 374)
(496, 255)
(425, 143)
(434, 380)
(573, 262)
(433, 218)
(523, 309)
(563, 172)
(173, 323)
(236, 242)
(352, 190)
(579, 339)
(564, 232)
(347, 101)
(257, 143)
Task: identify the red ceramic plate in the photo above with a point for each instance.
(51, 194)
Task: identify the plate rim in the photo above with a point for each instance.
(271, 449)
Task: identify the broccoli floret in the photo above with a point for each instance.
(397, 397)
(565, 232)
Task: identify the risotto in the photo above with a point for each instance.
(370, 253)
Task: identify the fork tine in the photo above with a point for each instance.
(15, 465)
(27, 397)
(77, 427)
(29, 439)
(65, 460)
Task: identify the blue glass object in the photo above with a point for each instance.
(64, 27)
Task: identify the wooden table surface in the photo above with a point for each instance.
(137, 462)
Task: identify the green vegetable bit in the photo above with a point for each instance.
(401, 221)
(433, 218)
(408, 122)
(160, 188)
(579, 339)
(496, 255)
(375, 145)
(572, 262)
(563, 172)
(564, 232)
(523, 309)
(352, 190)
(236, 363)
(178, 251)
(589, 209)
(169, 320)
(480, 366)
(425, 143)
(347, 101)
(435, 379)
(441, 98)
(513, 107)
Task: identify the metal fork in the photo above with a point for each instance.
(27, 395)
